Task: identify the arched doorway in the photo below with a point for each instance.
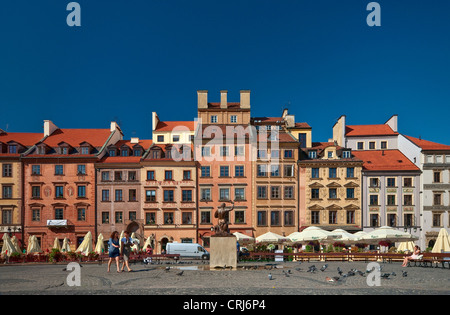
(133, 227)
(164, 242)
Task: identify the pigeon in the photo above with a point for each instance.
(312, 269)
(404, 273)
(351, 273)
(339, 270)
(167, 268)
(298, 269)
(324, 267)
(285, 273)
(393, 274)
(332, 279)
(385, 275)
(180, 273)
(289, 271)
(270, 276)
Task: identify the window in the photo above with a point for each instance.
(176, 138)
(132, 195)
(206, 151)
(383, 145)
(239, 216)
(186, 175)
(407, 200)
(289, 218)
(59, 214)
(239, 150)
(350, 217)
(117, 176)
(137, 152)
(59, 170)
(118, 195)
(81, 191)
(350, 193)
(437, 220)
(330, 154)
(205, 217)
(150, 195)
(7, 170)
(392, 219)
(312, 154)
(81, 214)
(391, 200)
(275, 219)
(105, 176)
(112, 152)
(360, 145)
(332, 193)
(315, 193)
(35, 170)
(239, 194)
(205, 171)
(85, 150)
(289, 192)
(262, 192)
(224, 194)
(105, 217)
(262, 218)
(372, 145)
(275, 192)
(262, 154)
(150, 217)
(224, 171)
(407, 182)
(233, 119)
(186, 218)
(261, 170)
(160, 138)
(288, 154)
(315, 217)
(7, 192)
(314, 173)
(224, 151)
(373, 182)
(332, 217)
(275, 154)
(105, 195)
(168, 195)
(168, 218)
(239, 171)
(81, 169)
(36, 214)
(35, 192)
(186, 195)
(436, 176)
(119, 216)
(408, 219)
(150, 175)
(205, 194)
(350, 172)
(132, 215)
(373, 200)
(332, 172)
(168, 175)
(289, 171)
(124, 152)
(437, 199)
(390, 182)
(132, 176)
(214, 119)
(275, 170)
(346, 154)
(12, 149)
(59, 191)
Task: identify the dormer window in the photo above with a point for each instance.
(12, 149)
(330, 154)
(124, 152)
(85, 150)
(312, 154)
(65, 150)
(137, 152)
(346, 154)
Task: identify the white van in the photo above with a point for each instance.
(187, 250)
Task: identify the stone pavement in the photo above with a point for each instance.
(155, 280)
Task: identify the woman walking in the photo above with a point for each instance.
(114, 250)
(127, 243)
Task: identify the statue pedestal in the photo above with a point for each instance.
(223, 252)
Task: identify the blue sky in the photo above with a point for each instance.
(130, 58)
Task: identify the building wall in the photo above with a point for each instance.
(352, 142)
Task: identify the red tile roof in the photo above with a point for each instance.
(385, 160)
(171, 125)
(143, 143)
(428, 145)
(369, 130)
(73, 137)
(24, 138)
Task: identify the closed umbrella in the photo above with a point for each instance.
(136, 242)
(271, 237)
(243, 238)
(406, 246)
(442, 242)
(56, 244)
(8, 247)
(387, 233)
(99, 247)
(86, 246)
(65, 246)
(313, 233)
(15, 242)
(33, 245)
(148, 242)
(122, 234)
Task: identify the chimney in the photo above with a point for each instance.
(202, 99)
(134, 140)
(155, 120)
(245, 99)
(49, 128)
(223, 99)
(393, 123)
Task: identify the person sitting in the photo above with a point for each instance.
(415, 255)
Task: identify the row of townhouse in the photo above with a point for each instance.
(67, 182)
